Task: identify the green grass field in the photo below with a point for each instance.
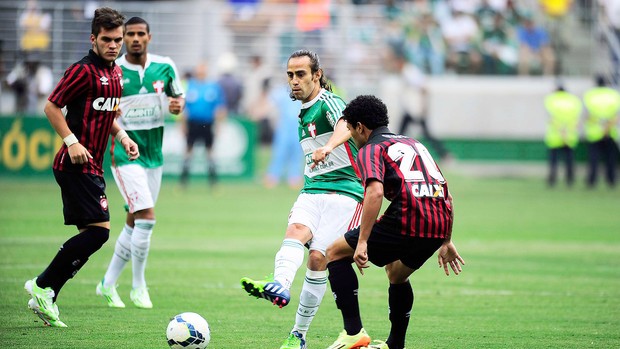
(543, 270)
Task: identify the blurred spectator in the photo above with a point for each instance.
(562, 135)
(556, 12)
(512, 13)
(610, 17)
(32, 82)
(261, 113)
(425, 45)
(461, 34)
(601, 129)
(535, 53)
(231, 85)
(34, 26)
(312, 18)
(486, 16)
(205, 109)
(498, 48)
(253, 82)
(405, 92)
(286, 155)
(245, 20)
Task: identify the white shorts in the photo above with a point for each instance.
(138, 185)
(328, 216)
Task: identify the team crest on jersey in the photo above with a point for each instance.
(312, 129)
(104, 80)
(158, 86)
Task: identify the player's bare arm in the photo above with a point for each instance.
(131, 148)
(77, 152)
(373, 198)
(341, 134)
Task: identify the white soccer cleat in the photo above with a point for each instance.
(140, 297)
(110, 295)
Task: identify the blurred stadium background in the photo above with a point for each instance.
(486, 114)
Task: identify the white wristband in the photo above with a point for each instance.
(120, 135)
(70, 140)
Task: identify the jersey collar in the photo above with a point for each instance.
(310, 103)
(99, 61)
(378, 132)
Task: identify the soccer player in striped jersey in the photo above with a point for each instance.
(90, 90)
(417, 222)
(151, 84)
(329, 202)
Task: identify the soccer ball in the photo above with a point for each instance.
(188, 330)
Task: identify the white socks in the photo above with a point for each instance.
(310, 298)
(140, 242)
(288, 259)
(122, 255)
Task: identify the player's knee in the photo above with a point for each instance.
(97, 237)
(316, 260)
(397, 273)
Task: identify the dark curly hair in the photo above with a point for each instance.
(368, 110)
(106, 18)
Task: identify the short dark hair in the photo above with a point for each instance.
(368, 110)
(138, 20)
(106, 18)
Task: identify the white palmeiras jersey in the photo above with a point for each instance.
(144, 107)
(337, 174)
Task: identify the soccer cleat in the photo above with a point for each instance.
(344, 341)
(377, 345)
(42, 303)
(140, 297)
(294, 341)
(32, 304)
(110, 295)
(268, 289)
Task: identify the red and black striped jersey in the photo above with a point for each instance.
(412, 182)
(91, 90)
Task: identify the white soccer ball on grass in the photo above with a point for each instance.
(188, 331)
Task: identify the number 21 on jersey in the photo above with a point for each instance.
(407, 154)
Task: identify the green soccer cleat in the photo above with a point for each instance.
(32, 304)
(140, 297)
(268, 289)
(358, 341)
(294, 341)
(42, 303)
(110, 295)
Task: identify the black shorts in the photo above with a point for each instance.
(199, 130)
(83, 198)
(387, 245)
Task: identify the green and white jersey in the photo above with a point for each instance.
(318, 118)
(144, 106)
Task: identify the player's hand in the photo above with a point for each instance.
(361, 256)
(320, 155)
(131, 148)
(78, 154)
(119, 112)
(449, 256)
(175, 105)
